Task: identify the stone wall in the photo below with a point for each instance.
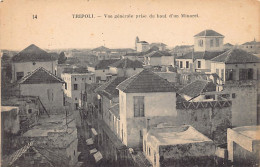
(210, 118)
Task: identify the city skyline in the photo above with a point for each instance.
(55, 27)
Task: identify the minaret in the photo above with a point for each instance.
(136, 41)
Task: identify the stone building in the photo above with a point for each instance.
(101, 70)
(125, 68)
(252, 47)
(243, 145)
(177, 146)
(141, 46)
(45, 85)
(159, 58)
(29, 60)
(76, 81)
(142, 97)
(207, 45)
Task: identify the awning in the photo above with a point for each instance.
(89, 141)
(98, 156)
(94, 131)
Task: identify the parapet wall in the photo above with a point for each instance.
(210, 118)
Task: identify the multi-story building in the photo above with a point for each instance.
(76, 82)
(45, 85)
(144, 97)
(207, 45)
(29, 60)
(125, 67)
(251, 47)
(159, 58)
(141, 46)
(101, 69)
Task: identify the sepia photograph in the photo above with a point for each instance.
(133, 83)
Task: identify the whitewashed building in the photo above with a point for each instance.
(29, 60)
(144, 98)
(46, 86)
(75, 86)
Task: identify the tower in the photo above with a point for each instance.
(136, 41)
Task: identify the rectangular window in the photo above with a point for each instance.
(65, 85)
(187, 64)
(211, 43)
(19, 75)
(75, 86)
(243, 74)
(201, 43)
(199, 64)
(250, 74)
(229, 75)
(50, 94)
(181, 65)
(233, 95)
(138, 106)
(222, 74)
(217, 42)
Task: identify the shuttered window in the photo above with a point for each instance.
(139, 106)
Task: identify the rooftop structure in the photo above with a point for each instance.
(144, 82)
(33, 53)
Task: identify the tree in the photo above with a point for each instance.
(62, 58)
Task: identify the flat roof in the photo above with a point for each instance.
(172, 135)
(54, 123)
(249, 131)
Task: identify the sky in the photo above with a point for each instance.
(55, 27)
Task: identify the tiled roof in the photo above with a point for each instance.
(236, 56)
(158, 54)
(197, 87)
(103, 64)
(200, 55)
(122, 50)
(228, 44)
(127, 63)
(142, 42)
(208, 33)
(158, 44)
(33, 53)
(251, 43)
(40, 76)
(101, 49)
(144, 82)
(108, 89)
(115, 110)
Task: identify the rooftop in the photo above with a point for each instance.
(108, 89)
(254, 42)
(236, 56)
(127, 63)
(158, 54)
(101, 49)
(144, 82)
(200, 55)
(104, 64)
(40, 76)
(157, 44)
(249, 131)
(33, 53)
(208, 33)
(173, 135)
(197, 87)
